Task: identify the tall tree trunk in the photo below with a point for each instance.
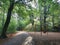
(45, 13)
(53, 21)
(41, 17)
(41, 22)
(4, 30)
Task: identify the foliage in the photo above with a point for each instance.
(23, 23)
(12, 26)
(24, 12)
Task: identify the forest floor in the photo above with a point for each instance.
(15, 37)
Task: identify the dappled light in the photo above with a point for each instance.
(29, 22)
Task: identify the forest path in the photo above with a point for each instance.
(46, 36)
(21, 36)
(18, 39)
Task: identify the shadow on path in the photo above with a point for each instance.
(19, 39)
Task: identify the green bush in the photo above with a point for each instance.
(22, 24)
(0, 27)
(12, 26)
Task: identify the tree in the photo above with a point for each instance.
(54, 9)
(3, 34)
(11, 7)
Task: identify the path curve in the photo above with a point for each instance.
(19, 39)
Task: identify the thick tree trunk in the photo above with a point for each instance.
(4, 30)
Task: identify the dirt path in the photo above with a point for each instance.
(49, 38)
(48, 35)
(20, 37)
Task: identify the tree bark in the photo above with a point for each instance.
(5, 27)
(53, 21)
(41, 22)
(45, 13)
